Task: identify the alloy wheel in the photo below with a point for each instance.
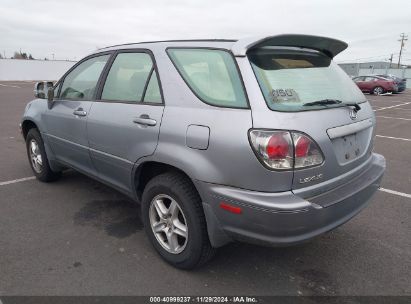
(35, 156)
(378, 91)
(168, 223)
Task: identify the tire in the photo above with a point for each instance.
(38, 158)
(378, 90)
(169, 188)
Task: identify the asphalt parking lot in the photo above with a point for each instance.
(79, 237)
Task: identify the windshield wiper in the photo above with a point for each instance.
(325, 102)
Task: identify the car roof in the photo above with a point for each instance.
(329, 46)
(375, 76)
(212, 43)
(388, 75)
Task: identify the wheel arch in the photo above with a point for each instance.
(147, 170)
(26, 126)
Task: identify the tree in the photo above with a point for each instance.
(20, 55)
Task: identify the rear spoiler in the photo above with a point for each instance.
(329, 46)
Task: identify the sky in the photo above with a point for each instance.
(72, 29)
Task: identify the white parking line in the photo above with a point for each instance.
(400, 118)
(389, 100)
(391, 137)
(17, 180)
(399, 105)
(402, 109)
(386, 101)
(396, 192)
(8, 85)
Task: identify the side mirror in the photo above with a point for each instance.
(41, 89)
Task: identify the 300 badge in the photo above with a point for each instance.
(284, 95)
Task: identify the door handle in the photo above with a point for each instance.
(145, 120)
(80, 112)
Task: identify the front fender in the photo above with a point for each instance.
(33, 113)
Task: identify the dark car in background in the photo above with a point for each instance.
(401, 82)
(375, 84)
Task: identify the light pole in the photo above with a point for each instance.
(403, 38)
(388, 65)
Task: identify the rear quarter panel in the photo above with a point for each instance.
(229, 159)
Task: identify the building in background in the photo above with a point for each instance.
(377, 68)
(27, 70)
(353, 68)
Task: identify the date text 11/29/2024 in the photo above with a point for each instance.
(203, 299)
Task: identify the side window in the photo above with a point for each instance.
(82, 81)
(212, 75)
(153, 90)
(127, 79)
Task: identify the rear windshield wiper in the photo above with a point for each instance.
(325, 102)
(355, 105)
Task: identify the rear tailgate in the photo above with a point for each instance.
(287, 78)
(346, 143)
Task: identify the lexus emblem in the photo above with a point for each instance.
(353, 114)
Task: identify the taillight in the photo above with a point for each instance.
(307, 152)
(278, 146)
(283, 150)
(302, 145)
(273, 148)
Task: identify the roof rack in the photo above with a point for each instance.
(176, 40)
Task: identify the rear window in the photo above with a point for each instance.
(291, 78)
(212, 75)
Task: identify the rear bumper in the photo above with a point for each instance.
(401, 87)
(283, 218)
(393, 89)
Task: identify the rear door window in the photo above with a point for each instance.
(132, 78)
(291, 79)
(152, 93)
(211, 74)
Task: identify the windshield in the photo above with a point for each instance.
(292, 78)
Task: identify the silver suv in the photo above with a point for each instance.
(261, 140)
